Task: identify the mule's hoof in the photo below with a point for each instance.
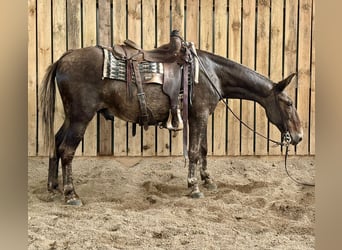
(196, 195)
(210, 185)
(74, 202)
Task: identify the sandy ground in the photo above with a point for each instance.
(142, 203)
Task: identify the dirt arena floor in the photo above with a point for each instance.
(143, 203)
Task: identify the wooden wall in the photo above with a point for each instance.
(274, 37)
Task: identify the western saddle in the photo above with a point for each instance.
(177, 58)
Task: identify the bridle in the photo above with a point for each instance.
(286, 140)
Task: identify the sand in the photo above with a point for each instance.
(143, 203)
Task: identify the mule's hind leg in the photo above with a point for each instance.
(73, 136)
(54, 159)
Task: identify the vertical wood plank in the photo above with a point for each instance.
(178, 24)
(89, 39)
(276, 62)
(104, 38)
(178, 15)
(248, 56)
(74, 24)
(234, 53)
(44, 55)
(134, 28)
(148, 41)
(32, 79)
(220, 48)
(119, 35)
(262, 63)
(192, 21)
(290, 45)
(74, 35)
(312, 150)
(206, 43)
(163, 36)
(59, 47)
(304, 49)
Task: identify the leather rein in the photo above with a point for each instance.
(286, 138)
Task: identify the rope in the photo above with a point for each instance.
(288, 174)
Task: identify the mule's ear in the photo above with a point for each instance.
(283, 83)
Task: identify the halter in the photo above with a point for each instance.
(286, 140)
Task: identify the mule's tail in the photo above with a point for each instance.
(47, 104)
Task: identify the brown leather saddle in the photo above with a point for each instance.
(175, 57)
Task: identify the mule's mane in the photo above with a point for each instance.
(231, 69)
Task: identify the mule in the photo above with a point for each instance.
(78, 75)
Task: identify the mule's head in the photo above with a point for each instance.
(282, 113)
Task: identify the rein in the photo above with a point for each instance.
(286, 139)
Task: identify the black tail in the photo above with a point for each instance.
(47, 104)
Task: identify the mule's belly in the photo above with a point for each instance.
(127, 107)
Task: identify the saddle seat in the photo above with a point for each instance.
(174, 51)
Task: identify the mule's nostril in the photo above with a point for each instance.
(300, 139)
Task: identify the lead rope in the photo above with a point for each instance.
(286, 139)
(288, 174)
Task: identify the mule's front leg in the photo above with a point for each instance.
(205, 176)
(195, 137)
(192, 179)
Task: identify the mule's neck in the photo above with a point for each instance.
(237, 81)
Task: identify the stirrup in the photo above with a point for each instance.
(180, 121)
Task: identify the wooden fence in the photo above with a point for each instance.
(274, 37)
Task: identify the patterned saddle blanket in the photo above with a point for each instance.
(116, 69)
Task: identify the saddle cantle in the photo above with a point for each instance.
(164, 65)
(174, 51)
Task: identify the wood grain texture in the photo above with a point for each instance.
(304, 74)
(134, 27)
(44, 55)
(262, 64)
(163, 36)
(177, 23)
(59, 42)
(276, 38)
(74, 36)
(119, 35)
(32, 109)
(220, 48)
(89, 39)
(206, 43)
(234, 53)
(104, 38)
(148, 42)
(248, 59)
(276, 63)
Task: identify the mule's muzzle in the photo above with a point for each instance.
(296, 138)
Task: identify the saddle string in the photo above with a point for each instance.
(286, 140)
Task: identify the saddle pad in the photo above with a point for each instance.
(115, 69)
